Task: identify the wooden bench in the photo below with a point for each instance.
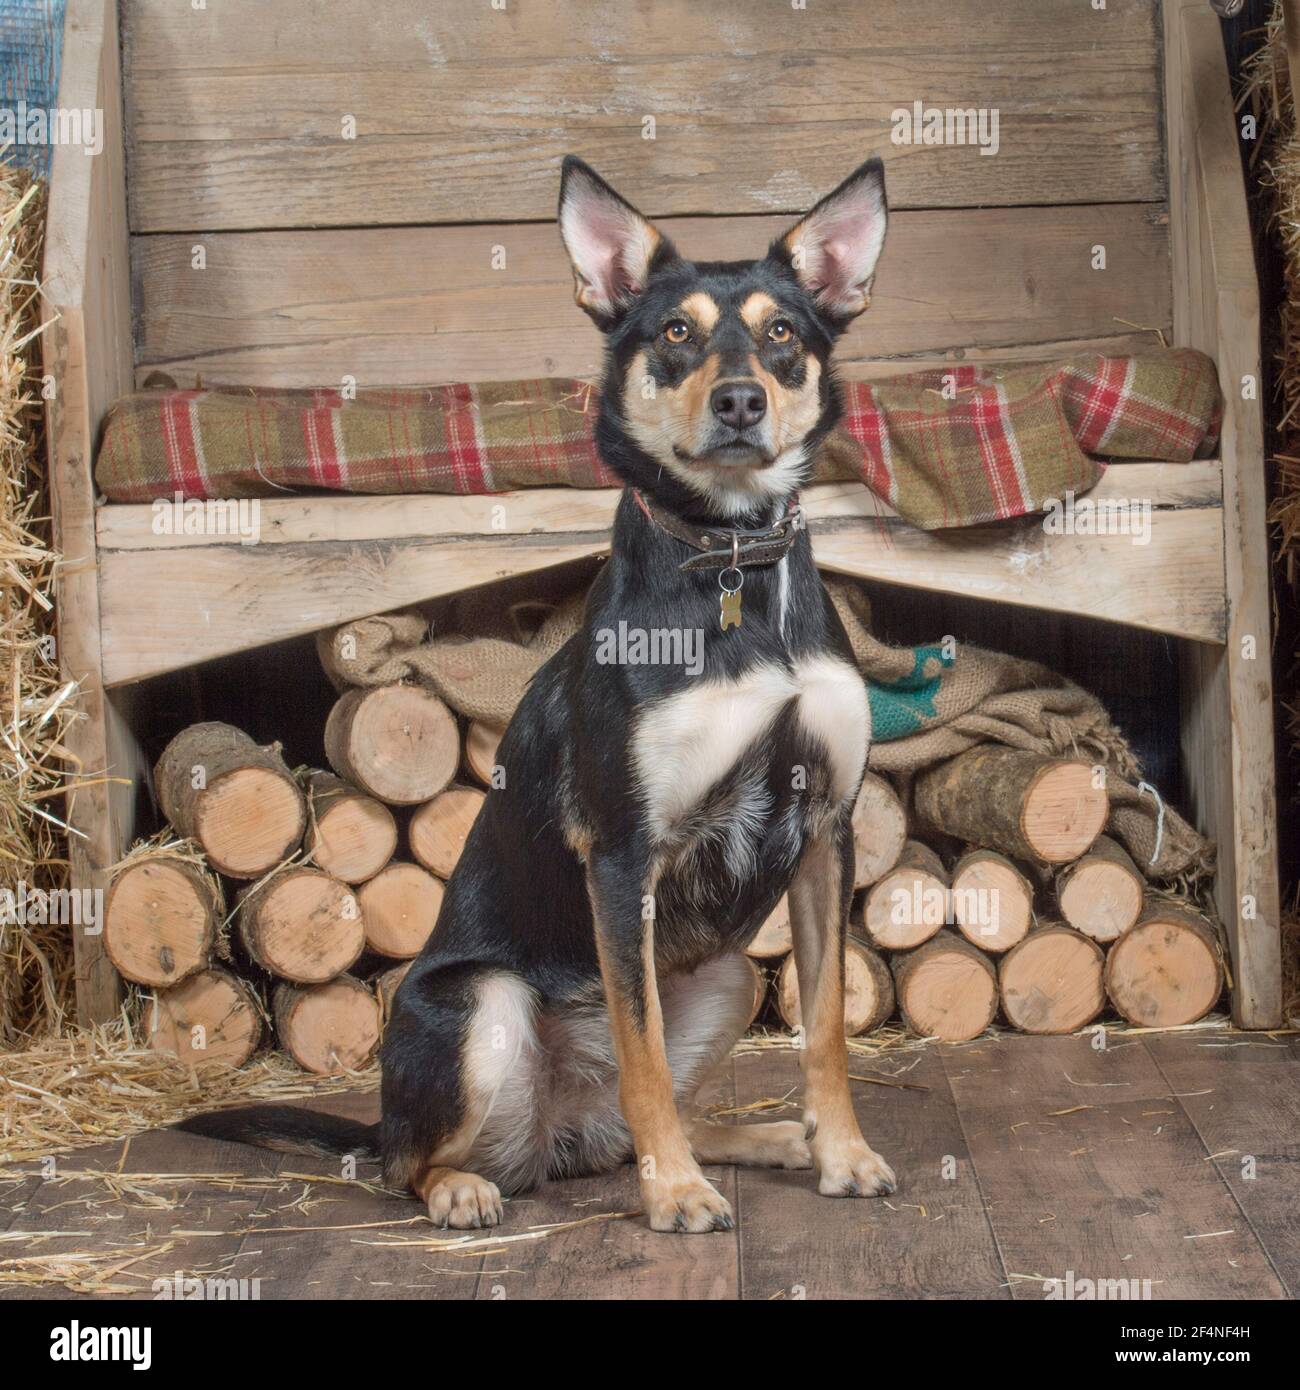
(350, 182)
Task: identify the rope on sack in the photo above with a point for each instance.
(1160, 817)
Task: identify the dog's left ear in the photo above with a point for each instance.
(834, 248)
(612, 247)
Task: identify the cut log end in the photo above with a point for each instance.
(1063, 812)
(1101, 894)
(946, 989)
(1165, 971)
(352, 835)
(386, 987)
(1052, 981)
(250, 820)
(481, 744)
(211, 1017)
(328, 1028)
(760, 991)
(1020, 803)
(775, 937)
(397, 742)
(303, 925)
(400, 907)
(238, 800)
(868, 990)
(160, 921)
(992, 901)
(879, 830)
(909, 904)
(440, 828)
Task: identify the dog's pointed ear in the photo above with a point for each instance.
(834, 248)
(612, 247)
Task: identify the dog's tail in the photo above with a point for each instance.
(285, 1127)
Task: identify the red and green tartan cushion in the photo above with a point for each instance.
(955, 446)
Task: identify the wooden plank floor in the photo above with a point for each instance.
(1173, 1159)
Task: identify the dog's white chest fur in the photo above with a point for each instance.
(686, 744)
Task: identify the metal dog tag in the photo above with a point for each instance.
(730, 616)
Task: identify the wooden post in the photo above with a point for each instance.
(1227, 721)
(88, 354)
(1291, 21)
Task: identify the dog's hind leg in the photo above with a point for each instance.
(777, 1144)
(705, 1012)
(458, 1034)
(819, 907)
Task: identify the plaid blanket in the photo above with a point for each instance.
(952, 447)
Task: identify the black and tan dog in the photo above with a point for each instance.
(587, 971)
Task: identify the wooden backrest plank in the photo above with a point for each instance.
(420, 305)
(237, 111)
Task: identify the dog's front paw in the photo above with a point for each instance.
(853, 1170)
(687, 1206)
(464, 1202)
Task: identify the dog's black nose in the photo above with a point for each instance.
(739, 403)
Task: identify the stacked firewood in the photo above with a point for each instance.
(326, 910)
(1009, 899)
(998, 894)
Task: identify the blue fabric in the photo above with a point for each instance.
(31, 46)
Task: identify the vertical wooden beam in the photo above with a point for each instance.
(1291, 22)
(1227, 691)
(88, 354)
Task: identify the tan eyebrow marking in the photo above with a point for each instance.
(756, 308)
(703, 309)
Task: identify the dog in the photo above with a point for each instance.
(587, 972)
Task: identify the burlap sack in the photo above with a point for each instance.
(928, 703)
(482, 677)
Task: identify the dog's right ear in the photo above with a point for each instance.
(612, 247)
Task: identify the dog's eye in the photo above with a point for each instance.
(678, 331)
(780, 332)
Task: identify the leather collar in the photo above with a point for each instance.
(726, 547)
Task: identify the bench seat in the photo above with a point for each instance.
(258, 243)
